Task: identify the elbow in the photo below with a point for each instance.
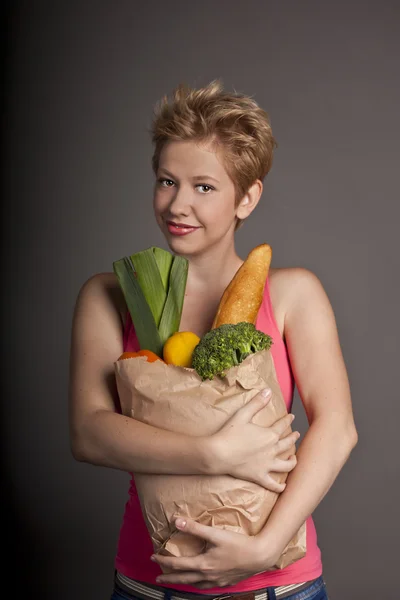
(351, 432)
(85, 444)
(350, 440)
(353, 437)
(78, 447)
(77, 450)
(344, 436)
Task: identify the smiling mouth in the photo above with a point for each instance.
(181, 225)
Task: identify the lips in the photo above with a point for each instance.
(183, 225)
(180, 228)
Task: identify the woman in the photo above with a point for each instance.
(212, 152)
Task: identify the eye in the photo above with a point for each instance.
(204, 185)
(162, 180)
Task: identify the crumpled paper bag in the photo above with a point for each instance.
(176, 399)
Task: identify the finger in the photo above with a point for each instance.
(284, 466)
(274, 486)
(183, 577)
(282, 424)
(181, 563)
(286, 443)
(253, 406)
(205, 532)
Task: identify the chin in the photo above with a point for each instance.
(181, 245)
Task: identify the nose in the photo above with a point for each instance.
(180, 203)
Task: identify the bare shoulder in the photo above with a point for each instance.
(103, 290)
(294, 290)
(303, 285)
(288, 282)
(97, 323)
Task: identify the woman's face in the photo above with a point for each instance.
(194, 198)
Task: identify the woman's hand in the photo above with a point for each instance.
(250, 452)
(229, 558)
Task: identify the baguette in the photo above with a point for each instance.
(242, 298)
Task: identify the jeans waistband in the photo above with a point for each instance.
(147, 591)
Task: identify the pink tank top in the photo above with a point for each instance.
(135, 546)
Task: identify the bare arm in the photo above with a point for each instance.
(98, 433)
(323, 385)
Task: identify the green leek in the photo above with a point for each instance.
(150, 280)
(153, 282)
(171, 316)
(142, 317)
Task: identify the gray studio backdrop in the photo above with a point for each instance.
(82, 78)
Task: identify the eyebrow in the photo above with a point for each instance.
(196, 177)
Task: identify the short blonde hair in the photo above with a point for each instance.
(232, 121)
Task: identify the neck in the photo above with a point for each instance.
(213, 268)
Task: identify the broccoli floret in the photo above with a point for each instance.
(227, 346)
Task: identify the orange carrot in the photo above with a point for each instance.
(151, 356)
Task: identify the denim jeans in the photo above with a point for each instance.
(315, 591)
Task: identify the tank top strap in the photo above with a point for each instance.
(266, 316)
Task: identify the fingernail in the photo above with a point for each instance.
(180, 523)
(153, 558)
(293, 417)
(266, 393)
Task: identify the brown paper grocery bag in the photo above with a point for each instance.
(176, 399)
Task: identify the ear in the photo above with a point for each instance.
(249, 200)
